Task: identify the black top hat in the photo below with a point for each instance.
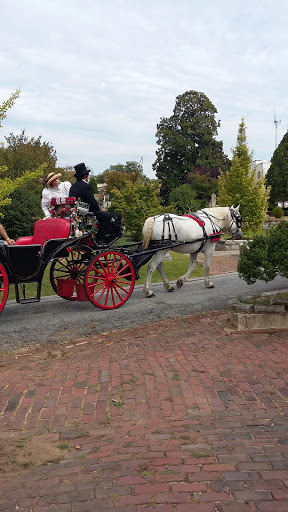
(81, 170)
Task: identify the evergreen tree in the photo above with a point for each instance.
(187, 140)
(240, 185)
(277, 175)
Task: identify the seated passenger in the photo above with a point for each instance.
(7, 240)
(81, 189)
(54, 188)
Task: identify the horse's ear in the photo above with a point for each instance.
(237, 208)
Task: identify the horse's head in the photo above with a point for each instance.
(235, 223)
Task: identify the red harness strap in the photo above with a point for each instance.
(197, 219)
(215, 237)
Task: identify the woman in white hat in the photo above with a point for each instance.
(54, 188)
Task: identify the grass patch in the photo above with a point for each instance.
(64, 446)
(198, 455)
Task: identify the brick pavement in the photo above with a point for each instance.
(222, 262)
(178, 416)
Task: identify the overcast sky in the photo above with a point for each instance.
(96, 76)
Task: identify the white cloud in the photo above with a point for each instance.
(97, 77)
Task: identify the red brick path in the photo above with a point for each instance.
(221, 262)
(179, 416)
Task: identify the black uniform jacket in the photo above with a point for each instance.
(81, 189)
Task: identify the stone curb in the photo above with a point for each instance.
(251, 317)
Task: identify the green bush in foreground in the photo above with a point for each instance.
(266, 256)
(278, 212)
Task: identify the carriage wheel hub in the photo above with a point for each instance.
(110, 279)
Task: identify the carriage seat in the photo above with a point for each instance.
(46, 229)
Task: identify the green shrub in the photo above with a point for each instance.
(265, 256)
(278, 212)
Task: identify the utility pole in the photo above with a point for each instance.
(276, 126)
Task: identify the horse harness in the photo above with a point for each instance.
(214, 237)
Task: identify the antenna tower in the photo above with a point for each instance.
(276, 126)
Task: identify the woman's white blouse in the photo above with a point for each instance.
(48, 193)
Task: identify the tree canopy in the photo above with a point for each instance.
(137, 201)
(119, 175)
(26, 160)
(184, 199)
(22, 153)
(277, 175)
(240, 185)
(187, 140)
(204, 181)
(9, 184)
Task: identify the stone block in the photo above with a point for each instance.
(280, 309)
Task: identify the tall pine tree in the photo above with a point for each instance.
(277, 175)
(241, 186)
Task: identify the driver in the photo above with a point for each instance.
(81, 189)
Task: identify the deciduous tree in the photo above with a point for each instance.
(187, 140)
(7, 184)
(184, 199)
(137, 201)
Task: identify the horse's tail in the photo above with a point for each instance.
(147, 232)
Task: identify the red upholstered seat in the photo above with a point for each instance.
(46, 229)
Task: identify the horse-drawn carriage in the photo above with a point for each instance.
(86, 267)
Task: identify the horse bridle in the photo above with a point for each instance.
(237, 218)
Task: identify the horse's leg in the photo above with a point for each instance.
(192, 263)
(156, 260)
(208, 251)
(165, 279)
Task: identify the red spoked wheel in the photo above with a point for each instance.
(70, 267)
(4, 287)
(109, 280)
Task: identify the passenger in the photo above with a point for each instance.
(54, 188)
(3, 233)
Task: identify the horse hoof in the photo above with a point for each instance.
(210, 286)
(170, 289)
(179, 283)
(148, 296)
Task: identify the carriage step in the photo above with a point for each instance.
(27, 300)
(21, 295)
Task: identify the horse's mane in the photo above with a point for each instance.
(147, 232)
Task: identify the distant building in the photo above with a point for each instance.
(102, 197)
(261, 167)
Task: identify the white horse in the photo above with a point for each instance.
(198, 232)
